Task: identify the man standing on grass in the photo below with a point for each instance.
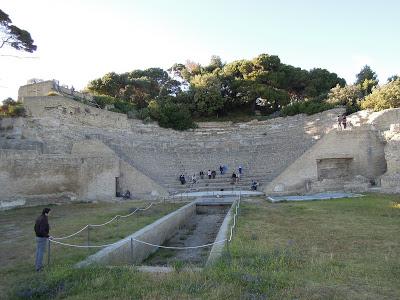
(42, 229)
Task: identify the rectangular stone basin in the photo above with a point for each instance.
(197, 223)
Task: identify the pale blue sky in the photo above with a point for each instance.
(81, 40)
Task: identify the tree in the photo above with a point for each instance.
(13, 36)
(367, 79)
(176, 116)
(387, 96)
(207, 94)
(366, 73)
(215, 63)
(393, 78)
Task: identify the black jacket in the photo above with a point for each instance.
(42, 227)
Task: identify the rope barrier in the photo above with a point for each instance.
(103, 224)
(54, 240)
(139, 241)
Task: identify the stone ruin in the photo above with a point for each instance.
(65, 150)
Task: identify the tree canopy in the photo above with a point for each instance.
(13, 36)
(218, 88)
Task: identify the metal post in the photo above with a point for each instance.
(132, 251)
(48, 253)
(118, 225)
(229, 252)
(88, 238)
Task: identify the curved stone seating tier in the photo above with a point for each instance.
(264, 149)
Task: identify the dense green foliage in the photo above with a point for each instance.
(306, 107)
(348, 96)
(192, 91)
(10, 108)
(13, 36)
(367, 80)
(387, 96)
(215, 90)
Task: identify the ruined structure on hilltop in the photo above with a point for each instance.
(68, 150)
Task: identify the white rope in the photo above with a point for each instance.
(71, 235)
(53, 239)
(139, 241)
(103, 224)
(180, 248)
(234, 220)
(81, 246)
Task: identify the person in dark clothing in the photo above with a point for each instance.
(221, 170)
(42, 229)
(254, 185)
(127, 195)
(213, 174)
(344, 121)
(233, 178)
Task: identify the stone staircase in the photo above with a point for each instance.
(263, 150)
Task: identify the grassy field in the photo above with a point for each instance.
(17, 241)
(336, 249)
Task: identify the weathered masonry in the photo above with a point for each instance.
(65, 150)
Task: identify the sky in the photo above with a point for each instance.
(81, 40)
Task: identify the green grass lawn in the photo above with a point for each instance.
(17, 239)
(336, 249)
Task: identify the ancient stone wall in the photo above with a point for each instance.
(89, 172)
(362, 148)
(73, 112)
(36, 89)
(390, 181)
(37, 177)
(148, 159)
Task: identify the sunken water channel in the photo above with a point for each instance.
(195, 224)
(200, 229)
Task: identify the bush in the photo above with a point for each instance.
(175, 116)
(306, 107)
(103, 100)
(18, 111)
(123, 107)
(52, 93)
(387, 96)
(143, 113)
(349, 96)
(12, 110)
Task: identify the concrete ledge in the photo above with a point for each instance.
(223, 233)
(156, 233)
(319, 196)
(218, 193)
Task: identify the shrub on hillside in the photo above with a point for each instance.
(387, 96)
(17, 111)
(11, 108)
(143, 113)
(52, 93)
(306, 107)
(348, 96)
(123, 106)
(103, 100)
(175, 116)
